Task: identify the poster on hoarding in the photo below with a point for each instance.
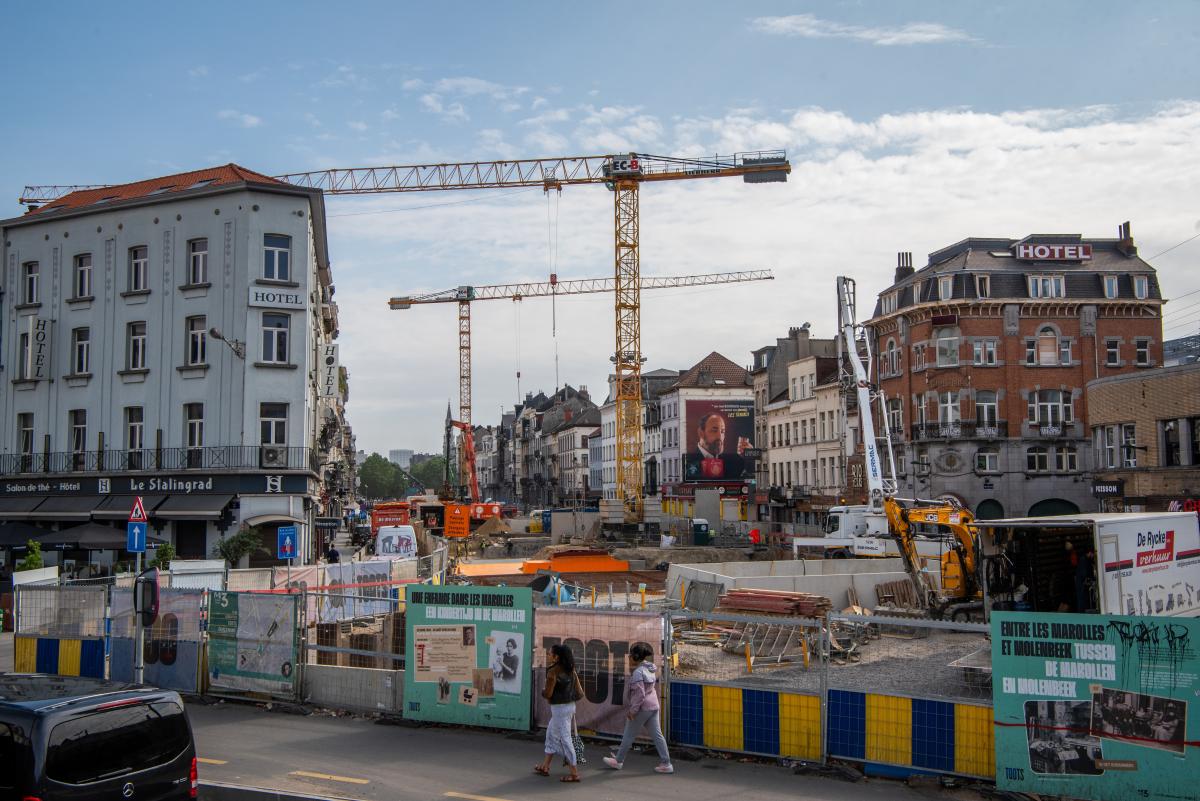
(718, 434)
(600, 642)
(1097, 706)
(252, 642)
(468, 649)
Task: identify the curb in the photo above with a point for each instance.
(220, 791)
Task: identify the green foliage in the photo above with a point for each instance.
(431, 473)
(33, 558)
(163, 556)
(378, 477)
(244, 543)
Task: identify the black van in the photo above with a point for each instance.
(65, 737)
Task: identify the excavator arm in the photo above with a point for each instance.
(959, 578)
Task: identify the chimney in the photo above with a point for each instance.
(904, 266)
(1125, 239)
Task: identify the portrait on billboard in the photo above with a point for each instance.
(719, 435)
(1140, 719)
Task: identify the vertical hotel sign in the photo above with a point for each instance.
(1097, 706)
(40, 347)
(329, 371)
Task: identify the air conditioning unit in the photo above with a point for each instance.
(272, 456)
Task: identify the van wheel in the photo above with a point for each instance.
(839, 555)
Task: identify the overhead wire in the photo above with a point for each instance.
(435, 205)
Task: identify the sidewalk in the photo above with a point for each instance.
(6, 651)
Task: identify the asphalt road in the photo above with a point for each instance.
(355, 758)
(6, 651)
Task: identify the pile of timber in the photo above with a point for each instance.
(778, 602)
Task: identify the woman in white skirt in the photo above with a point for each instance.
(563, 689)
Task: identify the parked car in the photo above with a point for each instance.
(66, 737)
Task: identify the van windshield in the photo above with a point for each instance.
(831, 523)
(117, 741)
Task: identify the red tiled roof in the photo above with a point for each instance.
(717, 371)
(169, 184)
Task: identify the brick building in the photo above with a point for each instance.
(984, 354)
(1146, 439)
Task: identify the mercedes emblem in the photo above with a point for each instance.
(127, 790)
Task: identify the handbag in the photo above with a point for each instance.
(577, 741)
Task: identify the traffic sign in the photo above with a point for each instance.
(135, 535)
(286, 543)
(138, 513)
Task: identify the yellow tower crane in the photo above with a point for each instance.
(623, 174)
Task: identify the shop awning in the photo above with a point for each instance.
(19, 508)
(192, 507)
(17, 534)
(116, 507)
(66, 507)
(90, 537)
(272, 517)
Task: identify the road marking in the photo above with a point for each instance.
(470, 797)
(329, 777)
(207, 761)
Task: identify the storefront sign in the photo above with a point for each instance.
(40, 348)
(1096, 706)
(272, 298)
(1036, 252)
(180, 484)
(1108, 489)
(601, 658)
(467, 655)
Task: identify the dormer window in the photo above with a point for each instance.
(888, 302)
(1046, 286)
(1141, 287)
(1110, 286)
(983, 286)
(946, 287)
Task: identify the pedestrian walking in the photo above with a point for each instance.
(641, 710)
(563, 689)
(332, 556)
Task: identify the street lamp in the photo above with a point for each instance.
(238, 347)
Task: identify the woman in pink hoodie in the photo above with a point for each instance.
(641, 710)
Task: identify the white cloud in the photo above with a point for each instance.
(477, 86)
(200, 71)
(250, 77)
(390, 114)
(312, 119)
(241, 118)
(492, 141)
(413, 84)
(538, 102)
(343, 76)
(548, 117)
(453, 112)
(808, 26)
(356, 125)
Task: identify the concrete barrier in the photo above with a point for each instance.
(361, 689)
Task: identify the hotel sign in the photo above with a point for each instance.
(276, 298)
(1032, 251)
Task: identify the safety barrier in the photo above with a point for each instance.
(763, 722)
(60, 630)
(172, 647)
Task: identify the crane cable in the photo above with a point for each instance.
(552, 253)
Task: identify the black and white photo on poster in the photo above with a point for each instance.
(507, 670)
(1059, 739)
(1138, 719)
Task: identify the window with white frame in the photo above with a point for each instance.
(945, 287)
(198, 261)
(948, 408)
(272, 423)
(193, 425)
(135, 349)
(29, 282)
(1112, 353)
(895, 414)
(1047, 347)
(987, 460)
(1106, 447)
(983, 286)
(24, 358)
(275, 337)
(135, 428)
(1066, 459)
(81, 351)
(78, 423)
(892, 356)
(81, 281)
(25, 437)
(1129, 444)
(919, 411)
(1141, 287)
(1141, 352)
(1064, 351)
(277, 254)
(1037, 459)
(197, 341)
(139, 269)
(918, 357)
(1046, 286)
(1051, 407)
(986, 408)
(887, 302)
(947, 347)
(984, 351)
(1030, 351)
(1111, 286)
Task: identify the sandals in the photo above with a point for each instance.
(539, 770)
(569, 779)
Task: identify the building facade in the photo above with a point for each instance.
(174, 339)
(984, 353)
(1145, 429)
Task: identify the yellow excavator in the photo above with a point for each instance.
(961, 593)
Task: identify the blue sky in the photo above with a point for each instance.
(910, 126)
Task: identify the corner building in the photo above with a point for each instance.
(984, 354)
(173, 338)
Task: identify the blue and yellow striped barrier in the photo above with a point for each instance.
(749, 721)
(931, 736)
(63, 657)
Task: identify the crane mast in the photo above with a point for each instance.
(846, 321)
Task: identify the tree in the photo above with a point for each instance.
(378, 477)
(163, 556)
(235, 546)
(33, 558)
(431, 472)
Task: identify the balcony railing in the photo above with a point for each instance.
(963, 429)
(225, 457)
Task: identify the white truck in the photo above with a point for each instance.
(857, 531)
(1142, 563)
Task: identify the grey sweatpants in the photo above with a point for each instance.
(649, 719)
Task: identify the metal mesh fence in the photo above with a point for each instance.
(180, 612)
(374, 639)
(61, 611)
(761, 652)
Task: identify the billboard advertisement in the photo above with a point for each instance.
(600, 642)
(717, 436)
(467, 655)
(1096, 706)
